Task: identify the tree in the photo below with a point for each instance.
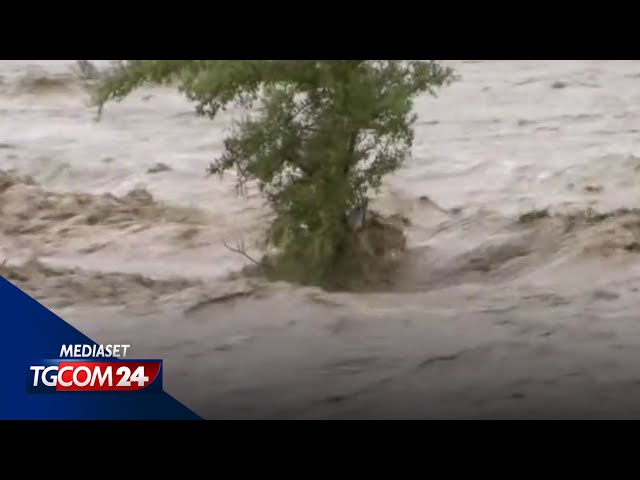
(325, 134)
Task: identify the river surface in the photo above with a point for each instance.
(494, 313)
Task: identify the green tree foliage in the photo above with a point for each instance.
(320, 137)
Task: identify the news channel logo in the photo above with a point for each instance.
(94, 368)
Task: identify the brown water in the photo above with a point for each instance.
(492, 316)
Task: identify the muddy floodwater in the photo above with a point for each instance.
(518, 298)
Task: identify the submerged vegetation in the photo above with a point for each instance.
(318, 138)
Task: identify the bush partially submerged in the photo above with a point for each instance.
(322, 135)
(366, 259)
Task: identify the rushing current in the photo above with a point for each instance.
(518, 297)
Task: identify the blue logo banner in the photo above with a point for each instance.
(29, 331)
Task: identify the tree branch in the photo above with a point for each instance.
(241, 250)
